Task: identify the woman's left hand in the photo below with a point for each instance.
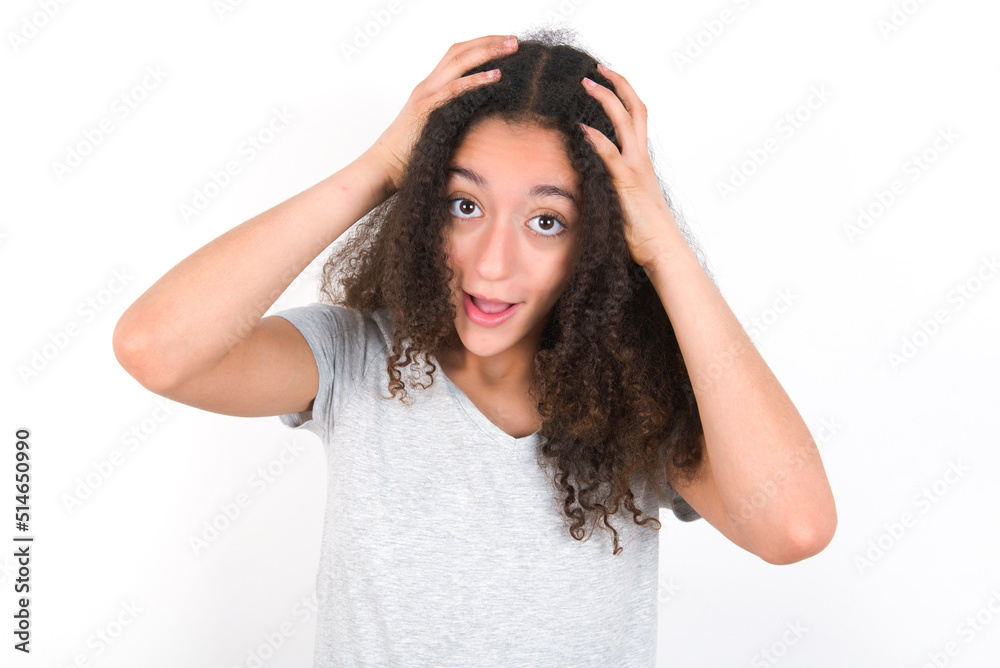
(648, 220)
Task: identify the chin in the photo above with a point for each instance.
(485, 342)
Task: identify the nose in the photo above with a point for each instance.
(495, 250)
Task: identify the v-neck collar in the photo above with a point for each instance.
(506, 441)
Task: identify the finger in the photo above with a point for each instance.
(458, 47)
(604, 147)
(620, 118)
(635, 107)
(457, 86)
(465, 56)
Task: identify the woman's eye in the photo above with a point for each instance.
(465, 207)
(548, 222)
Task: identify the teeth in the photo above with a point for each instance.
(489, 307)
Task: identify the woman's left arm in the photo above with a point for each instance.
(761, 481)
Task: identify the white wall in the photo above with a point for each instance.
(911, 448)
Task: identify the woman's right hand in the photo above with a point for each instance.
(393, 146)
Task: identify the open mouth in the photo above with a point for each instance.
(487, 313)
(489, 307)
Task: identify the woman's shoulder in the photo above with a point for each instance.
(354, 327)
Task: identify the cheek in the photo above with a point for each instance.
(543, 276)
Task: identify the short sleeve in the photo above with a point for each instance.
(340, 339)
(654, 488)
(682, 509)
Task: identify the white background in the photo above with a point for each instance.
(889, 433)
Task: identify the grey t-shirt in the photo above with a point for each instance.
(443, 540)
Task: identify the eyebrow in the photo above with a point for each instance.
(540, 190)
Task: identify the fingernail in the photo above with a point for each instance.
(588, 83)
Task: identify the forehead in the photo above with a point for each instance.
(502, 152)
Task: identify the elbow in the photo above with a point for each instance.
(133, 356)
(807, 539)
(127, 348)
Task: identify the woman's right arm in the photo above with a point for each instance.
(211, 304)
(197, 335)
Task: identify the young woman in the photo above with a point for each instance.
(518, 252)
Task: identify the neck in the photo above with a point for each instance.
(510, 368)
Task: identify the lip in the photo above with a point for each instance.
(486, 319)
(488, 299)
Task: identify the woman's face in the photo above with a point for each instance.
(512, 199)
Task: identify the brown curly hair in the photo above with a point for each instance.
(608, 377)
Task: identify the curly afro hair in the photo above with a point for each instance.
(611, 386)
